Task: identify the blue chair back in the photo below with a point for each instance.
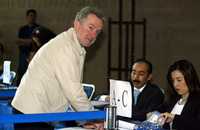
(89, 90)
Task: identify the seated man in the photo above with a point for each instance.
(146, 96)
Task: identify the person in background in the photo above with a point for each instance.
(53, 80)
(25, 42)
(146, 96)
(183, 106)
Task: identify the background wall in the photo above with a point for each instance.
(172, 31)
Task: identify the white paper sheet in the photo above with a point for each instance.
(99, 103)
(6, 72)
(126, 125)
(121, 96)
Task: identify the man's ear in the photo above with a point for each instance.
(149, 77)
(76, 24)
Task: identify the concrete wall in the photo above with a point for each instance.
(172, 31)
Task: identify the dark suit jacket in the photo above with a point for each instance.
(149, 100)
(190, 116)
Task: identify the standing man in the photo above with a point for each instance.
(147, 97)
(53, 79)
(24, 41)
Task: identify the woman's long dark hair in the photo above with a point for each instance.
(189, 73)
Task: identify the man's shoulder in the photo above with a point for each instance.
(64, 38)
(154, 87)
(60, 42)
(69, 33)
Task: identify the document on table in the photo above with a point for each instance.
(121, 96)
(99, 103)
(123, 125)
(6, 72)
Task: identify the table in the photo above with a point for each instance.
(74, 128)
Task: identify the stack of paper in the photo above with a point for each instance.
(123, 125)
(6, 72)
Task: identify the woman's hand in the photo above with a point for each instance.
(168, 117)
(149, 114)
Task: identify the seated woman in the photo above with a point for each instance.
(184, 105)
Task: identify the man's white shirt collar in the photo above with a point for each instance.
(141, 89)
